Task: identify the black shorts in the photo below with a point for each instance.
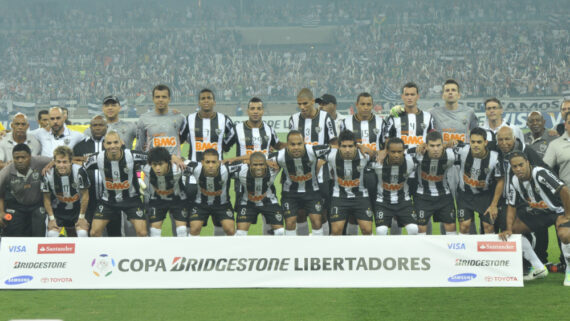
(158, 214)
(218, 213)
(535, 219)
(325, 190)
(341, 209)
(248, 214)
(132, 208)
(441, 208)
(403, 212)
(468, 204)
(66, 218)
(310, 202)
(29, 221)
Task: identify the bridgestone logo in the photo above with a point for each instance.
(40, 265)
(461, 262)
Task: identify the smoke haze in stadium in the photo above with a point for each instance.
(84, 50)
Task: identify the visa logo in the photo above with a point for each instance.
(17, 248)
(456, 246)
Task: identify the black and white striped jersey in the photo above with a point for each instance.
(212, 190)
(65, 190)
(393, 184)
(164, 189)
(348, 175)
(411, 128)
(251, 140)
(318, 130)
(299, 173)
(540, 192)
(205, 133)
(477, 175)
(368, 132)
(432, 173)
(120, 181)
(259, 191)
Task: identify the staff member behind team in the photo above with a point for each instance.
(19, 135)
(21, 195)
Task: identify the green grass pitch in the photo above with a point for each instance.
(540, 299)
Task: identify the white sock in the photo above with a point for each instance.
(82, 233)
(395, 228)
(529, 254)
(303, 228)
(382, 230)
(351, 229)
(451, 233)
(290, 232)
(181, 231)
(241, 233)
(52, 233)
(326, 229)
(279, 231)
(155, 232)
(412, 229)
(566, 251)
(420, 233)
(219, 231)
(318, 232)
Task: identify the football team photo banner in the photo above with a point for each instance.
(260, 262)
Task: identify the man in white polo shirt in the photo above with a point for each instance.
(18, 135)
(59, 134)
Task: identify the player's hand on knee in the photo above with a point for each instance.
(504, 235)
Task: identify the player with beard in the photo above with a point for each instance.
(299, 162)
(433, 195)
(258, 196)
(66, 195)
(117, 169)
(480, 170)
(393, 196)
(540, 189)
(350, 196)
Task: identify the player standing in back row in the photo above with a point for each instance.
(208, 129)
(317, 128)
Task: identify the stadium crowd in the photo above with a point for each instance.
(500, 57)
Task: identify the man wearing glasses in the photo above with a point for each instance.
(494, 120)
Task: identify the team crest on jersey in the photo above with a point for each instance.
(139, 212)
(66, 141)
(359, 168)
(73, 185)
(126, 170)
(376, 131)
(279, 217)
(318, 207)
(184, 213)
(464, 121)
(486, 170)
(218, 131)
(369, 212)
(537, 190)
(42, 210)
(543, 147)
(229, 213)
(318, 129)
(266, 137)
(423, 126)
(402, 124)
(35, 175)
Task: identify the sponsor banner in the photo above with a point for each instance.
(261, 261)
(519, 118)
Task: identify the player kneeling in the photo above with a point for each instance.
(68, 185)
(164, 192)
(212, 198)
(258, 196)
(548, 200)
(349, 196)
